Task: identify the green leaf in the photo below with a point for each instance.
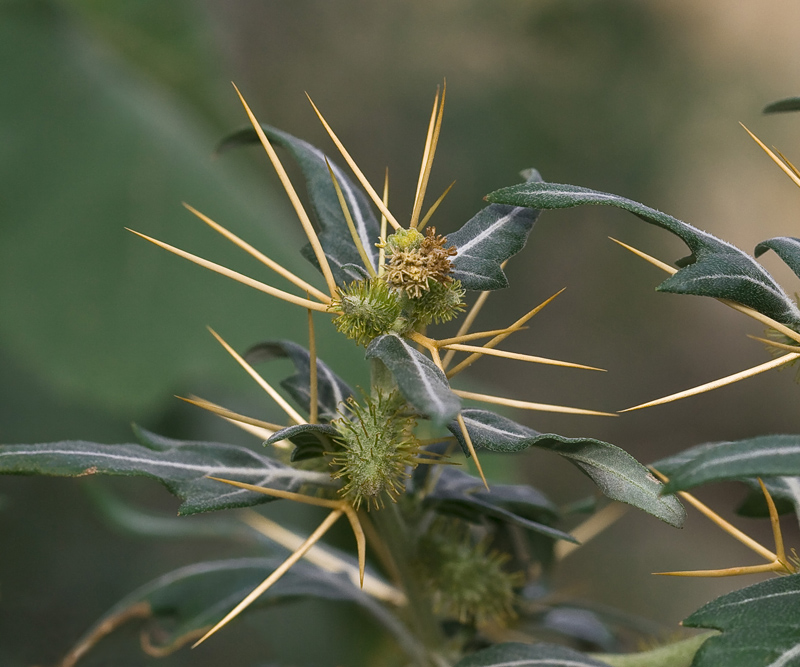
(195, 597)
(181, 466)
(465, 496)
(762, 456)
(785, 492)
(759, 624)
(786, 247)
(787, 104)
(310, 440)
(422, 384)
(514, 654)
(492, 236)
(715, 268)
(674, 654)
(618, 475)
(335, 237)
(124, 516)
(91, 312)
(332, 391)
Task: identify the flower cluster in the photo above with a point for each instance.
(424, 262)
(415, 289)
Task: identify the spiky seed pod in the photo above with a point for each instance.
(441, 303)
(367, 308)
(468, 579)
(377, 449)
(404, 240)
(412, 269)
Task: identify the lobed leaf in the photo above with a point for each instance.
(762, 456)
(422, 384)
(786, 247)
(463, 495)
(335, 236)
(332, 391)
(715, 268)
(759, 624)
(514, 654)
(181, 466)
(310, 440)
(488, 239)
(787, 104)
(618, 475)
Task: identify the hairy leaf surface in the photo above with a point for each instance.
(422, 384)
(762, 456)
(463, 495)
(332, 391)
(310, 440)
(335, 237)
(786, 247)
(759, 624)
(715, 268)
(181, 466)
(514, 654)
(487, 240)
(618, 475)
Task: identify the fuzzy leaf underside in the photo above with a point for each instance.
(759, 624)
(335, 237)
(715, 268)
(195, 597)
(762, 456)
(494, 234)
(786, 247)
(332, 391)
(310, 440)
(422, 384)
(618, 475)
(514, 654)
(787, 104)
(465, 496)
(181, 466)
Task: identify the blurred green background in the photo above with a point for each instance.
(108, 119)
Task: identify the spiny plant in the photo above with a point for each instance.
(446, 563)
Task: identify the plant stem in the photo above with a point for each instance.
(394, 532)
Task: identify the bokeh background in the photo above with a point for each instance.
(109, 115)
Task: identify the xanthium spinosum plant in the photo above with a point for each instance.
(449, 566)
